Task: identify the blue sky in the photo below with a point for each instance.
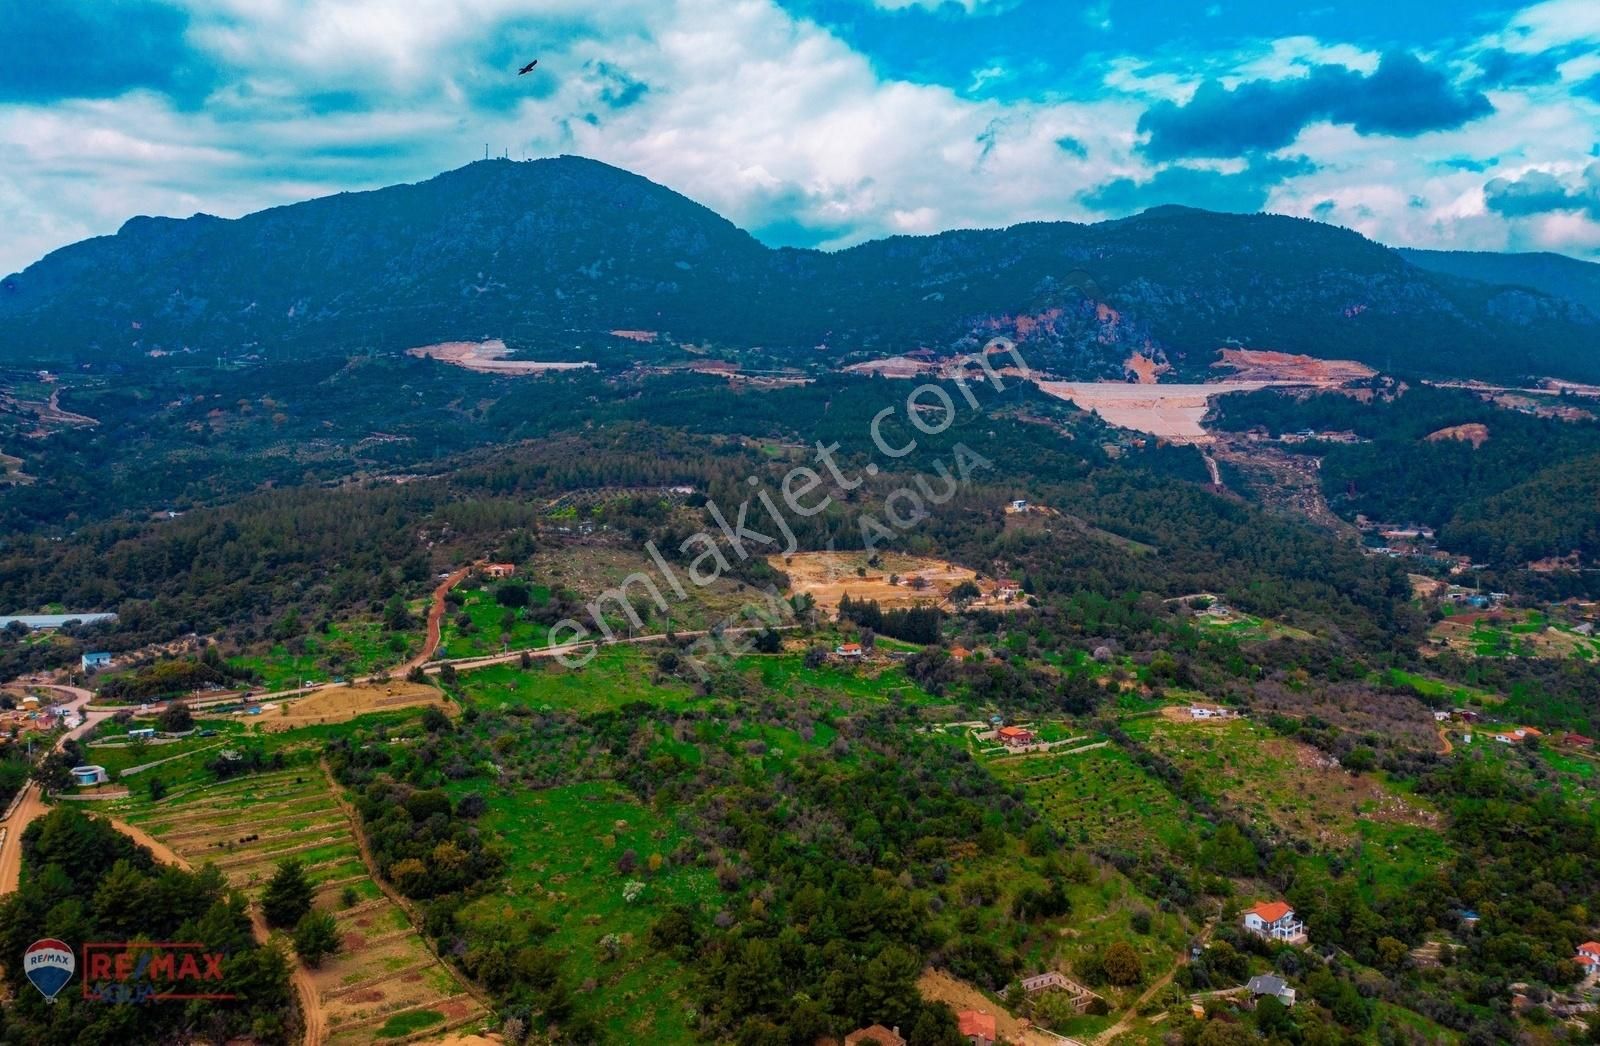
(822, 122)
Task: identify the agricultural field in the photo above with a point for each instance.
(345, 650)
(568, 848)
(340, 704)
(1292, 790)
(384, 982)
(479, 625)
(616, 676)
(1100, 797)
(891, 579)
(1512, 633)
(173, 761)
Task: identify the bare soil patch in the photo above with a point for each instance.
(827, 577)
(486, 357)
(340, 704)
(940, 986)
(1475, 433)
(1266, 365)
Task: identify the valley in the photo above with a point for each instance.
(647, 635)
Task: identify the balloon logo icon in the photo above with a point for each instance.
(49, 964)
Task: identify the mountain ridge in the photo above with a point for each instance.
(551, 254)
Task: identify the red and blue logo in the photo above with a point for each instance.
(49, 964)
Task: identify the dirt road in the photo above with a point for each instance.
(310, 1000)
(1126, 1018)
(436, 619)
(30, 803)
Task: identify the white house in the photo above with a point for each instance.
(850, 650)
(96, 660)
(1275, 921)
(1588, 958)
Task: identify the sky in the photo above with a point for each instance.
(822, 123)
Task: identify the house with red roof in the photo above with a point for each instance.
(850, 650)
(959, 653)
(876, 1034)
(1007, 588)
(1588, 958)
(1275, 921)
(977, 1027)
(499, 570)
(1015, 736)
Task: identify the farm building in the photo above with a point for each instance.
(89, 776)
(1275, 921)
(499, 570)
(848, 650)
(97, 659)
(143, 733)
(1579, 741)
(875, 1033)
(977, 1027)
(1267, 984)
(959, 653)
(1007, 588)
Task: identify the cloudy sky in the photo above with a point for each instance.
(1470, 124)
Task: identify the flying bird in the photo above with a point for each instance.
(525, 70)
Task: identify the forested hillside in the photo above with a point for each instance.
(552, 254)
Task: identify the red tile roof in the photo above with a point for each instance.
(1591, 947)
(973, 1022)
(1272, 911)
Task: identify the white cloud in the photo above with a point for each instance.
(969, 6)
(765, 117)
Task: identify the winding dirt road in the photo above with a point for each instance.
(310, 1001)
(30, 803)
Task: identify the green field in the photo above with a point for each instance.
(492, 627)
(616, 676)
(564, 879)
(346, 650)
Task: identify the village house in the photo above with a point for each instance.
(850, 650)
(499, 570)
(1579, 741)
(977, 1027)
(875, 1033)
(1268, 984)
(959, 653)
(1019, 505)
(1014, 736)
(95, 660)
(1520, 734)
(1588, 958)
(1275, 921)
(1007, 588)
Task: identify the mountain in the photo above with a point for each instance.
(550, 254)
(1552, 274)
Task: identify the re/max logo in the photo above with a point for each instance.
(152, 971)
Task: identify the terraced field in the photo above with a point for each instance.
(384, 984)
